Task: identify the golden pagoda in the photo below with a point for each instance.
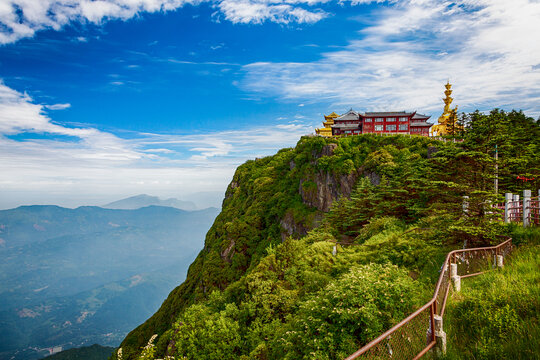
(326, 131)
(448, 120)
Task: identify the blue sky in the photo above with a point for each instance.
(105, 99)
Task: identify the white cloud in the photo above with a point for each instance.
(23, 18)
(163, 151)
(489, 49)
(19, 115)
(57, 106)
(73, 166)
(250, 11)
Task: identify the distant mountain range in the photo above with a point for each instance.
(139, 201)
(75, 277)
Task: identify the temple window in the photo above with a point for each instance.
(379, 119)
(403, 127)
(403, 118)
(368, 119)
(390, 127)
(378, 128)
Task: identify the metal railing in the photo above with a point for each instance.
(525, 210)
(534, 210)
(412, 337)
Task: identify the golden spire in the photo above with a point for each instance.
(448, 120)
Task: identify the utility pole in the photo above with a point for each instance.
(496, 170)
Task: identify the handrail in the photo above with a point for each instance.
(431, 303)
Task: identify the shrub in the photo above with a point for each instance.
(348, 313)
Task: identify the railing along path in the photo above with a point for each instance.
(415, 335)
(525, 210)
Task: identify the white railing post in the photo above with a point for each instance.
(456, 279)
(440, 336)
(507, 200)
(516, 208)
(465, 204)
(526, 207)
(500, 261)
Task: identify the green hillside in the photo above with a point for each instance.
(94, 352)
(497, 315)
(267, 284)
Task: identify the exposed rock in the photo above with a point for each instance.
(230, 189)
(292, 164)
(228, 253)
(291, 227)
(373, 177)
(328, 150)
(326, 189)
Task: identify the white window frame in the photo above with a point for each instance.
(378, 128)
(379, 119)
(368, 119)
(390, 127)
(403, 127)
(403, 118)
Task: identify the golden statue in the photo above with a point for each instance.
(448, 120)
(326, 131)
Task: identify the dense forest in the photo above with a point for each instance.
(321, 247)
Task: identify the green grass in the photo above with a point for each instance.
(496, 315)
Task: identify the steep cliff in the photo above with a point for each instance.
(267, 201)
(253, 292)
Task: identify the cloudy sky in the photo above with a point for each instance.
(105, 99)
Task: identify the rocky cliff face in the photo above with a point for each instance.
(322, 188)
(290, 227)
(318, 190)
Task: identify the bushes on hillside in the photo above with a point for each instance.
(346, 313)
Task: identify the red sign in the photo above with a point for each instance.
(524, 178)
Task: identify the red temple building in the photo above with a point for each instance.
(353, 123)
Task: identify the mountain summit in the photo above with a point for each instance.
(320, 248)
(139, 201)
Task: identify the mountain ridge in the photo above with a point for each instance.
(143, 200)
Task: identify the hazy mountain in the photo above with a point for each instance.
(139, 201)
(75, 277)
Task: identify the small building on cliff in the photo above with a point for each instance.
(354, 123)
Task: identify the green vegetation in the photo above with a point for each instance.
(496, 315)
(94, 352)
(267, 285)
